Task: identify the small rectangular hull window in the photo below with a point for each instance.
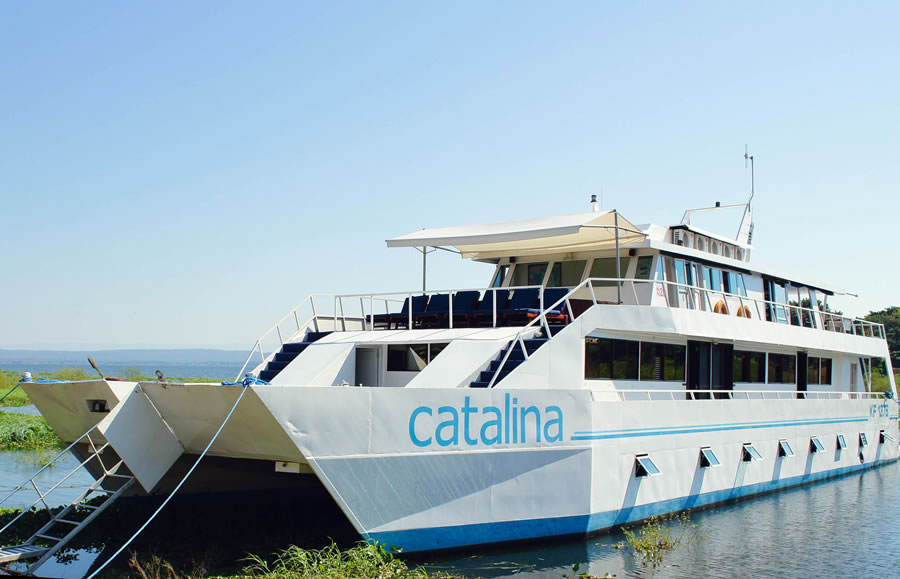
(815, 445)
(784, 449)
(644, 467)
(750, 453)
(708, 458)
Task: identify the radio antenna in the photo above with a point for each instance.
(749, 157)
(745, 231)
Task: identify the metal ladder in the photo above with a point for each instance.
(60, 529)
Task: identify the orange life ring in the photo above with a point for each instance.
(743, 312)
(720, 307)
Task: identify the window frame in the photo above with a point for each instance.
(644, 467)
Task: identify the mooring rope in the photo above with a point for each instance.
(246, 383)
(2, 398)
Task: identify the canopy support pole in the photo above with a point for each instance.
(618, 266)
(424, 265)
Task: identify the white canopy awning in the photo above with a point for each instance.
(564, 233)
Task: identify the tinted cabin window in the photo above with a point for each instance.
(749, 366)
(605, 267)
(812, 370)
(566, 273)
(782, 369)
(662, 361)
(412, 357)
(825, 371)
(610, 359)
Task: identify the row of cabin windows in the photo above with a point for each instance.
(412, 357)
(618, 360)
(781, 368)
(610, 359)
(694, 274)
(570, 273)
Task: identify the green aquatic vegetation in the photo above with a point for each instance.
(363, 561)
(26, 432)
(660, 535)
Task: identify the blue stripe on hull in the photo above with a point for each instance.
(464, 535)
(601, 435)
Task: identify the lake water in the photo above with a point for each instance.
(848, 527)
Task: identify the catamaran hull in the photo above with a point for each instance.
(427, 469)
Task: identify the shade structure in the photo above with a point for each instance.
(559, 234)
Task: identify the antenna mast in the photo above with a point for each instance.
(745, 231)
(749, 157)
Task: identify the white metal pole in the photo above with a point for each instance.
(618, 266)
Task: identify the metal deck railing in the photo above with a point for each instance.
(330, 312)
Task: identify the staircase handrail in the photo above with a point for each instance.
(276, 327)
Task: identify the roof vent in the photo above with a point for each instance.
(595, 207)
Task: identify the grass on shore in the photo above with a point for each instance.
(26, 432)
(364, 561)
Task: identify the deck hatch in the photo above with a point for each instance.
(644, 466)
(784, 449)
(863, 440)
(815, 445)
(708, 458)
(749, 453)
(841, 442)
(882, 436)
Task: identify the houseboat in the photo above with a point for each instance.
(609, 372)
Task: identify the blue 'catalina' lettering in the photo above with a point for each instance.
(513, 424)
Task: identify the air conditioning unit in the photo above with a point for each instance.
(679, 236)
(715, 247)
(728, 250)
(700, 243)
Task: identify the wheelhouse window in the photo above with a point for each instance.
(713, 278)
(662, 361)
(605, 267)
(749, 366)
(734, 283)
(782, 368)
(566, 273)
(412, 357)
(605, 358)
(500, 276)
(644, 267)
(529, 274)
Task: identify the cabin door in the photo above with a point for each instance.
(802, 373)
(367, 373)
(698, 369)
(722, 369)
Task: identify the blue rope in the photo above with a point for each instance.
(249, 380)
(172, 494)
(10, 392)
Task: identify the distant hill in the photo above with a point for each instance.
(169, 356)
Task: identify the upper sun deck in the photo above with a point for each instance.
(549, 271)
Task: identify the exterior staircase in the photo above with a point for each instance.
(63, 525)
(286, 355)
(516, 357)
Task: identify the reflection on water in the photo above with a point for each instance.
(30, 409)
(17, 465)
(847, 527)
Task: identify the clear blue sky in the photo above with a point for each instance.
(182, 173)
